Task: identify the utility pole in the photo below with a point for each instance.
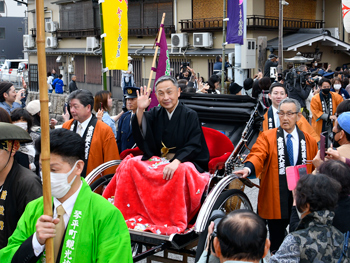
(280, 35)
(223, 49)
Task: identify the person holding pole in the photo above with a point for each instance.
(85, 227)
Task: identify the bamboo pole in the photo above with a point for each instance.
(44, 120)
(155, 56)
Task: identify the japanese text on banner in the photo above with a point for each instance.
(115, 27)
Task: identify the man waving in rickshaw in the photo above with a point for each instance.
(162, 193)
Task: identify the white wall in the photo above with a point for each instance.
(13, 10)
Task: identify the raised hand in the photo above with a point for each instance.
(143, 99)
(99, 114)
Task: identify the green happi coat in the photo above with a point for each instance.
(96, 231)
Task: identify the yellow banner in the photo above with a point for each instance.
(115, 27)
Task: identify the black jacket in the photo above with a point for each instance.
(299, 93)
(72, 86)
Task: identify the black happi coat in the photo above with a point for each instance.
(183, 131)
(20, 187)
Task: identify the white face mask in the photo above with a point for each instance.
(337, 86)
(315, 64)
(23, 125)
(59, 183)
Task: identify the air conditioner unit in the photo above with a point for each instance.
(179, 40)
(203, 40)
(91, 44)
(51, 42)
(28, 41)
(51, 26)
(334, 31)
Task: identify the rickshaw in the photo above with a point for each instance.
(230, 121)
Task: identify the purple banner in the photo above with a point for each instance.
(163, 67)
(235, 25)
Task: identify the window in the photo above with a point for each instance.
(78, 16)
(2, 33)
(2, 6)
(19, 4)
(150, 13)
(33, 77)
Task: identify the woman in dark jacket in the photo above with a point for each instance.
(315, 239)
(340, 172)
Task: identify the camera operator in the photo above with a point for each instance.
(185, 73)
(271, 66)
(240, 236)
(299, 85)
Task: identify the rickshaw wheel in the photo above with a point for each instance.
(102, 181)
(228, 201)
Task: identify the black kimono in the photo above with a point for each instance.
(183, 132)
(20, 187)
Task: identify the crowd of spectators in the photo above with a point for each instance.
(321, 200)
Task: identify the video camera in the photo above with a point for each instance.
(296, 77)
(185, 65)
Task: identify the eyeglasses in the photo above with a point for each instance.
(289, 113)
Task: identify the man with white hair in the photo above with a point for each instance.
(273, 151)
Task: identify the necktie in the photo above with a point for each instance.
(60, 229)
(290, 149)
(80, 129)
(277, 120)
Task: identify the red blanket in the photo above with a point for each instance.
(148, 202)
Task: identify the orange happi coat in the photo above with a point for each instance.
(264, 157)
(303, 125)
(103, 146)
(316, 109)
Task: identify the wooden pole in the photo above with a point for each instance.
(155, 56)
(104, 73)
(44, 120)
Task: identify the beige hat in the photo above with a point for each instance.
(129, 58)
(33, 107)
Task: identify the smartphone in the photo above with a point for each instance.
(100, 105)
(293, 174)
(198, 75)
(302, 170)
(65, 108)
(323, 145)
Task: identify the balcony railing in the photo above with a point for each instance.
(73, 33)
(253, 22)
(203, 24)
(271, 23)
(150, 31)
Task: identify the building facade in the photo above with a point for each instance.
(12, 29)
(69, 51)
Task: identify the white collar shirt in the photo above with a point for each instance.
(171, 114)
(295, 141)
(68, 206)
(84, 125)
